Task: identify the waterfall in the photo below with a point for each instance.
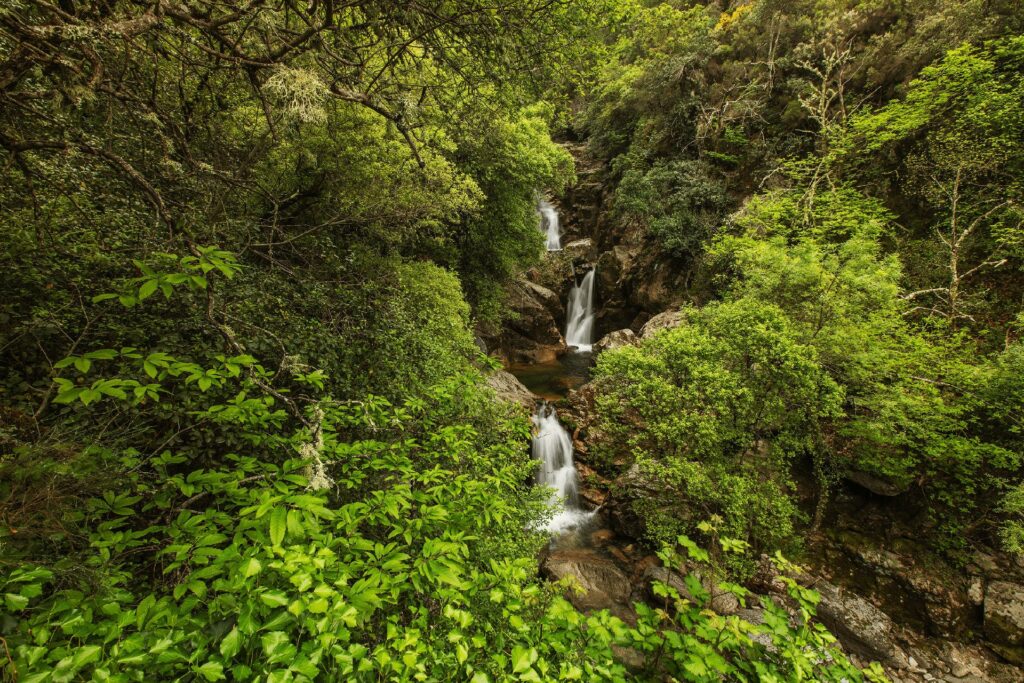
(549, 225)
(552, 446)
(579, 329)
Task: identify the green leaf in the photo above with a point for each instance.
(523, 658)
(147, 289)
(278, 525)
(232, 643)
(211, 671)
(274, 599)
(15, 602)
(251, 567)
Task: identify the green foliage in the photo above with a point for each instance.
(715, 411)
(679, 202)
(512, 158)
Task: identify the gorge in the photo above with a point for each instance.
(602, 548)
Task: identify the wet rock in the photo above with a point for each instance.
(547, 298)
(603, 584)
(508, 388)
(913, 583)
(860, 626)
(594, 497)
(663, 321)
(602, 537)
(880, 486)
(580, 250)
(1004, 619)
(615, 340)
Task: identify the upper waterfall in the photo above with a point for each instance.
(549, 225)
(579, 329)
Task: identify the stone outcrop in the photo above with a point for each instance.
(908, 581)
(860, 626)
(599, 582)
(663, 321)
(508, 388)
(615, 340)
(1004, 619)
(532, 334)
(631, 486)
(876, 484)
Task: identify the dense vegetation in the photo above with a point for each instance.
(244, 433)
(845, 181)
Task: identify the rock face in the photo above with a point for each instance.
(508, 388)
(532, 334)
(860, 626)
(615, 340)
(1004, 619)
(581, 250)
(909, 582)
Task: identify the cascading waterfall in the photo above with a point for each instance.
(549, 225)
(552, 446)
(579, 330)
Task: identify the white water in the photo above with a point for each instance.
(552, 446)
(579, 329)
(549, 225)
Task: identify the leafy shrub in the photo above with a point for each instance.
(714, 412)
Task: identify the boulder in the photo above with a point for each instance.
(507, 387)
(615, 340)
(1004, 619)
(663, 321)
(600, 582)
(547, 298)
(860, 626)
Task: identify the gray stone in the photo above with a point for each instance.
(663, 321)
(1004, 613)
(507, 387)
(615, 340)
(860, 626)
(600, 582)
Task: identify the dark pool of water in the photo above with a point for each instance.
(555, 379)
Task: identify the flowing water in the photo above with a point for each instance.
(549, 225)
(552, 446)
(579, 330)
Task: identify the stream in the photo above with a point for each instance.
(552, 444)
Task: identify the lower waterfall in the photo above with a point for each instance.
(552, 446)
